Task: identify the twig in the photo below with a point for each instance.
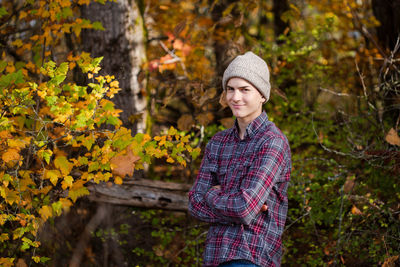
(302, 216)
(85, 236)
(340, 224)
(339, 94)
(175, 57)
(362, 80)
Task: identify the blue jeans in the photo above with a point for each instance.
(238, 263)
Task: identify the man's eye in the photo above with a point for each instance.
(230, 89)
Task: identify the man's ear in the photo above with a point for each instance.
(222, 99)
(264, 100)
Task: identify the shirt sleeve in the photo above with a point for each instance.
(243, 205)
(198, 207)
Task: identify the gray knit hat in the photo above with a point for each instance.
(253, 69)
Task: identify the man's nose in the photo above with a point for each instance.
(236, 95)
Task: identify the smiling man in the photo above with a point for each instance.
(241, 188)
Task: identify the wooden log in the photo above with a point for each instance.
(143, 193)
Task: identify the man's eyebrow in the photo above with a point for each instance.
(240, 87)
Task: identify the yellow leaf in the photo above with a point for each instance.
(172, 131)
(53, 175)
(65, 3)
(45, 212)
(66, 203)
(17, 43)
(11, 196)
(170, 160)
(74, 194)
(7, 262)
(83, 2)
(11, 155)
(392, 137)
(36, 259)
(3, 219)
(62, 163)
(114, 84)
(25, 182)
(22, 14)
(67, 182)
(118, 180)
(4, 237)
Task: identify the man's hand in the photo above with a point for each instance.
(264, 207)
(216, 187)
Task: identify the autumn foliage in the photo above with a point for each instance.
(56, 136)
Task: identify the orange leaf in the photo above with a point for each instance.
(118, 180)
(185, 122)
(11, 155)
(124, 164)
(391, 261)
(227, 122)
(355, 211)
(392, 137)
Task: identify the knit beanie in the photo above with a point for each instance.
(251, 68)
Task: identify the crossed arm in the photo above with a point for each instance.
(208, 202)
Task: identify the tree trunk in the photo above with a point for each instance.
(225, 50)
(280, 6)
(123, 47)
(388, 14)
(143, 193)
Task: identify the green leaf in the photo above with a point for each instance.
(62, 69)
(3, 65)
(97, 26)
(44, 259)
(83, 160)
(195, 153)
(3, 12)
(96, 61)
(51, 100)
(58, 79)
(93, 166)
(66, 12)
(113, 120)
(57, 207)
(47, 156)
(77, 193)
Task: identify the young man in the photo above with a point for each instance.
(241, 188)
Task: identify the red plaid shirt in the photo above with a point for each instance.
(251, 172)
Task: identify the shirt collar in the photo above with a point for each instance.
(253, 126)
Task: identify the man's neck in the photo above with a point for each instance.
(242, 128)
(243, 123)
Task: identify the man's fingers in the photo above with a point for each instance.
(264, 208)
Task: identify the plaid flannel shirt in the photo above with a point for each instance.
(251, 172)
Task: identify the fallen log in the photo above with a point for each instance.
(143, 193)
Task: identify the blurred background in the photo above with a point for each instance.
(334, 68)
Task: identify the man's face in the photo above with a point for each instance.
(244, 99)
